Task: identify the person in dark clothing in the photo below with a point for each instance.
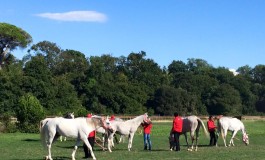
(211, 129)
(91, 140)
(177, 129)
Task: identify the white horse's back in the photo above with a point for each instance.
(190, 123)
(231, 124)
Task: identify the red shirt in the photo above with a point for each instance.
(92, 134)
(147, 128)
(211, 125)
(177, 124)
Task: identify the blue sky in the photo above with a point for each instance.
(226, 33)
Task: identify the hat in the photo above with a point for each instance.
(89, 115)
(112, 117)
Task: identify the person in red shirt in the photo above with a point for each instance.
(91, 140)
(177, 129)
(211, 129)
(147, 126)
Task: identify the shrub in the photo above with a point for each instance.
(29, 113)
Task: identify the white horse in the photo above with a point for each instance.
(105, 133)
(234, 125)
(191, 124)
(78, 128)
(128, 127)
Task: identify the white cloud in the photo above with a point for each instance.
(81, 16)
(233, 71)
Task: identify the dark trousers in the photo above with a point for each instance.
(91, 141)
(176, 140)
(212, 138)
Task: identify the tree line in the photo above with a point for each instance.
(50, 80)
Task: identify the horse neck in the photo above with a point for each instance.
(243, 129)
(138, 119)
(97, 123)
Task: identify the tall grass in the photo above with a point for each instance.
(20, 146)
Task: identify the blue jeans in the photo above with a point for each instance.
(147, 141)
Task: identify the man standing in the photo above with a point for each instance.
(211, 129)
(91, 140)
(177, 129)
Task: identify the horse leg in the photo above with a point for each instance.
(196, 140)
(187, 142)
(89, 147)
(49, 145)
(192, 141)
(75, 148)
(130, 141)
(232, 139)
(224, 133)
(110, 140)
(121, 139)
(186, 138)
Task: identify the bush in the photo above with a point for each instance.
(29, 114)
(7, 125)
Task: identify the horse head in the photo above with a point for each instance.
(145, 117)
(107, 120)
(245, 138)
(69, 115)
(100, 121)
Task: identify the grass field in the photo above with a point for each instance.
(20, 146)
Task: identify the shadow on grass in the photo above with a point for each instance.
(204, 145)
(54, 158)
(30, 140)
(68, 147)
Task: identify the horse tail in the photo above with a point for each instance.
(43, 133)
(204, 128)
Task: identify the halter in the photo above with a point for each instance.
(245, 138)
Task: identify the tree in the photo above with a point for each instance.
(11, 37)
(29, 113)
(259, 74)
(10, 87)
(50, 51)
(224, 99)
(245, 71)
(167, 100)
(37, 80)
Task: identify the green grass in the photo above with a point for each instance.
(20, 146)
